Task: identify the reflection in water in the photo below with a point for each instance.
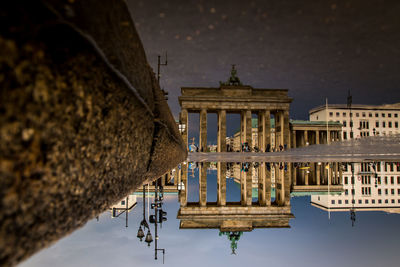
(233, 218)
(124, 206)
(371, 186)
(266, 192)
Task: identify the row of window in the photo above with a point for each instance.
(387, 191)
(376, 166)
(365, 124)
(366, 201)
(364, 114)
(363, 134)
(389, 124)
(366, 179)
(367, 191)
(391, 180)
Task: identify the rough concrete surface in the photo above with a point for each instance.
(82, 119)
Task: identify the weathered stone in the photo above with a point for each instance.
(82, 119)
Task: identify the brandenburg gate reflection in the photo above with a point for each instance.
(268, 206)
(236, 217)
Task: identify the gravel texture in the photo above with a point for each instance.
(82, 119)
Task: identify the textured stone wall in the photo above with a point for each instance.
(82, 122)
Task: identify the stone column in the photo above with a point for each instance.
(267, 130)
(242, 128)
(203, 185)
(281, 127)
(203, 131)
(326, 173)
(249, 187)
(294, 173)
(340, 135)
(267, 189)
(277, 129)
(312, 175)
(261, 131)
(294, 139)
(285, 129)
(184, 119)
(317, 137)
(183, 193)
(340, 174)
(261, 184)
(305, 137)
(221, 147)
(336, 170)
(221, 183)
(330, 174)
(306, 177)
(243, 196)
(329, 136)
(318, 174)
(286, 187)
(279, 182)
(248, 129)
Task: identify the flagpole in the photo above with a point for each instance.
(327, 141)
(327, 136)
(349, 102)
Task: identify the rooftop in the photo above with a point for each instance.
(395, 106)
(323, 123)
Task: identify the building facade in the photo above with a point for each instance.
(374, 186)
(302, 133)
(360, 120)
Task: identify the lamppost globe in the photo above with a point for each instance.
(140, 233)
(181, 186)
(182, 128)
(149, 238)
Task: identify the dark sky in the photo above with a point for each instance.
(316, 49)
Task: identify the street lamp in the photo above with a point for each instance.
(181, 186)
(140, 233)
(182, 128)
(149, 238)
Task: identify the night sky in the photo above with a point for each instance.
(316, 49)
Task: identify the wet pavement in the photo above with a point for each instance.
(364, 149)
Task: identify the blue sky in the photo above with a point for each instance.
(312, 240)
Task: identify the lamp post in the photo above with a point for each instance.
(181, 185)
(159, 64)
(144, 223)
(352, 210)
(158, 217)
(181, 127)
(349, 102)
(116, 212)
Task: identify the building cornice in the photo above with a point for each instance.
(395, 106)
